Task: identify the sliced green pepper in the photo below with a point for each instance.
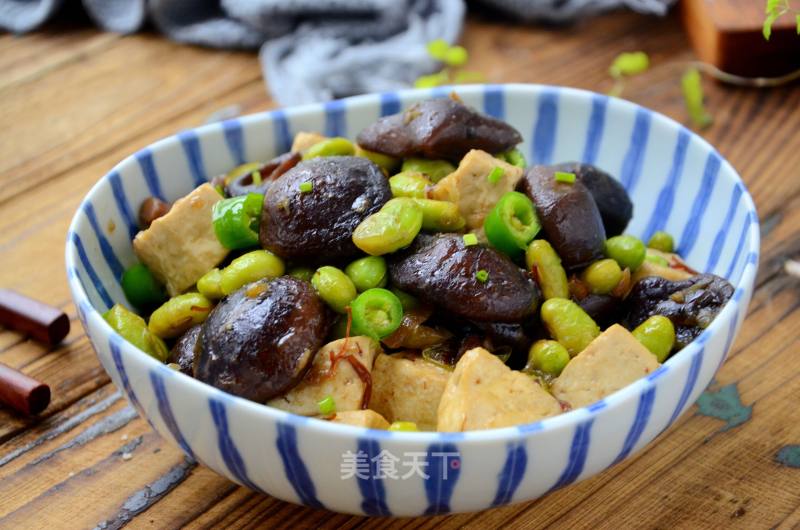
(377, 313)
(236, 220)
(512, 223)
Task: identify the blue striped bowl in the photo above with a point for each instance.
(678, 182)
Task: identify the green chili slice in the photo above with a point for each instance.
(236, 220)
(377, 313)
(512, 223)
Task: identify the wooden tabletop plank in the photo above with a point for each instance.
(117, 95)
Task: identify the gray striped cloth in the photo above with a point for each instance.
(314, 50)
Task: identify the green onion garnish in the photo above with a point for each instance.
(327, 406)
(629, 64)
(482, 276)
(470, 239)
(256, 177)
(305, 187)
(692, 86)
(495, 175)
(565, 177)
(406, 426)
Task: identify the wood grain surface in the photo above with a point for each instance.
(74, 101)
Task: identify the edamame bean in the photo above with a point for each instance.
(436, 170)
(248, 268)
(209, 284)
(440, 216)
(543, 261)
(662, 241)
(367, 273)
(657, 334)
(409, 184)
(134, 329)
(626, 250)
(330, 147)
(548, 356)
(393, 227)
(334, 287)
(385, 162)
(301, 273)
(602, 276)
(569, 324)
(178, 314)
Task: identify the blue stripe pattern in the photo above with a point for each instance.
(335, 119)
(390, 103)
(594, 132)
(577, 455)
(93, 277)
(634, 158)
(122, 204)
(443, 471)
(280, 127)
(544, 131)
(191, 147)
(739, 247)
(234, 137)
(148, 167)
(511, 475)
(494, 102)
(371, 487)
(722, 235)
(643, 411)
(116, 355)
(227, 447)
(666, 197)
(688, 388)
(729, 340)
(167, 416)
(692, 228)
(105, 247)
(293, 466)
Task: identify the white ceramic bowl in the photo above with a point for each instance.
(678, 183)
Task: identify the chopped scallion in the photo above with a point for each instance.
(482, 276)
(327, 406)
(306, 187)
(565, 177)
(470, 239)
(495, 175)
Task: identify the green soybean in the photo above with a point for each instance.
(134, 329)
(548, 356)
(436, 170)
(330, 147)
(657, 334)
(385, 162)
(546, 264)
(569, 324)
(626, 250)
(440, 216)
(367, 272)
(209, 284)
(334, 287)
(248, 268)
(662, 241)
(409, 184)
(602, 276)
(178, 314)
(301, 273)
(391, 228)
(141, 288)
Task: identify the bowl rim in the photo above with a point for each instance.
(554, 423)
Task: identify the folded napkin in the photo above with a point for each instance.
(313, 50)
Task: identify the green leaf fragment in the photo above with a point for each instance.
(692, 86)
(630, 63)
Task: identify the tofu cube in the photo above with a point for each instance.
(484, 393)
(613, 360)
(343, 384)
(304, 140)
(362, 418)
(181, 246)
(469, 187)
(407, 388)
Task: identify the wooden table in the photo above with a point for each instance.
(75, 101)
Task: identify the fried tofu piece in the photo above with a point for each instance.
(344, 384)
(484, 393)
(362, 418)
(303, 140)
(612, 361)
(407, 388)
(470, 189)
(181, 246)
